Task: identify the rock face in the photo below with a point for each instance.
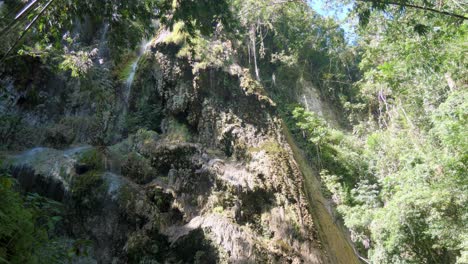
(233, 175)
(309, 97)
(217, 182)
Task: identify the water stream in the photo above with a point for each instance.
(102, 48)
(133, 69)
(130, 78)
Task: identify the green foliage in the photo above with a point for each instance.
(78, 64)
(10, 124)
(148, 116)
(420, 182)
(330, 149)
(132, 19)
(123, 69)
(17, 225)
(98, 88)
(400, 180)
(26, 225)
(206, 51)
(449, 10)
(315, 126)
(202, 15)
(404, 71)
(177, 36)
(450, 122)
(294, 46)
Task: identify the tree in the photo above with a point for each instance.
(52, 18)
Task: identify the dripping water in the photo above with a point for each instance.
(133, 68)
(130, 78)
(102, 47)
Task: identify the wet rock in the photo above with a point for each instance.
(81, 168)
(46, 171)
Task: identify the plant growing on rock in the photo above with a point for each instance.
(27, 226)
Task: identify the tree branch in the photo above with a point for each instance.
(27, 28)
(20, 15)
(418, 7)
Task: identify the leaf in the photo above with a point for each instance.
(421, 29)
(364, 17)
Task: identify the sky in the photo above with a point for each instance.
(320, 7)
(339, 14)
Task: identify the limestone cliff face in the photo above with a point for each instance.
(216, 183)
(232, 176)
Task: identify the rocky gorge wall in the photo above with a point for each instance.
(209, 178)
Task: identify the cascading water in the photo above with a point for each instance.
(102, 48)
(131, 77)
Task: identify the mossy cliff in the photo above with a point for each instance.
(204, 173)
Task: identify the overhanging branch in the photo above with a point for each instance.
(418, 7)
(28, 27)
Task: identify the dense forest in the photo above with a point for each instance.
(233, 131)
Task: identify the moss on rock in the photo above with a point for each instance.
(87, 188)
(137, 168)
(271, 147)
(93, 158)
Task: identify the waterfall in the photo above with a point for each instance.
(133, 68)
(102, 47)
(130, 78)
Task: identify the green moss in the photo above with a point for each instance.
(270, 147)
(249, 85)
(145, 135)
(127, 70)
(137, 168)
(126, 196)
(87, 188)
(84, 182)
(196, 48)
(283, 246)
(94, 159)
(177, 131)
(123, 69)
